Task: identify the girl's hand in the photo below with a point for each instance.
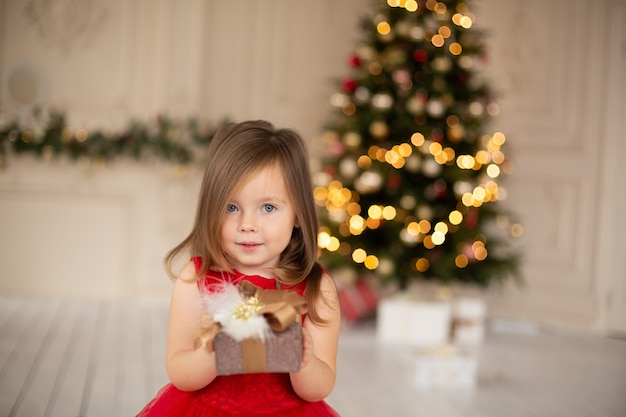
(307, 348)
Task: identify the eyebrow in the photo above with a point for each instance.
(273, 199)
(263, 199)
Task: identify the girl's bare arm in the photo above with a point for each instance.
(316, 378)
(188, 367)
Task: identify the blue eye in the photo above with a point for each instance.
(230, 208)
(268, 208)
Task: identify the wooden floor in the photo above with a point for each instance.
(79, 358)
(71, 358)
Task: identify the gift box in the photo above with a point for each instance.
(253, 330)
(357, 300)
(444, 367)
(278, 352)
(468, 321)
(401, 320)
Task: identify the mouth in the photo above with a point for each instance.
(248, 245)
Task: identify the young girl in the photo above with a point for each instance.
(255, 221)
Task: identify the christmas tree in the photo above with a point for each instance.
(410, 183)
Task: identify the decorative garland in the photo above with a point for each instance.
(163, 139)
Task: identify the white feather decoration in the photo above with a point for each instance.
(236, 313)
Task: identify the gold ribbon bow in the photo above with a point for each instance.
(208, 329)
(280, 307)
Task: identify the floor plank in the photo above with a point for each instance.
(74, 385)
(133, 376)
(39, 394)
(25, 358)
(15, 318)
(103, 399)
(155, 343)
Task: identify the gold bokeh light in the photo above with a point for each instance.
(359, 255)
(383, 28)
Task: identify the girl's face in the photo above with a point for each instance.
(258, 223)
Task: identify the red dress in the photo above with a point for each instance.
(268, 394)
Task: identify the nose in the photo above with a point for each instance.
(247, 223)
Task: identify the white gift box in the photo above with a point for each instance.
(468, 321)
(444, 368)
(414, 323)
(468, 334)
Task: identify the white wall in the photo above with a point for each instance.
(101, 231)
(553, 61)
(79, 230)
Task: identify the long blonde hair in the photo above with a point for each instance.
(237, 152)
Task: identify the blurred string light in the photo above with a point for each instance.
(341, 202)
(410, 5)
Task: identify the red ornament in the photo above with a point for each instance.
(394, 181)
(463, 77)
(436, 135)
(330, 170)
(420, 55)
(441, 188)
(348, 85)
(471, 219)
(336, 148)
(354, 61)
(468, 251)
